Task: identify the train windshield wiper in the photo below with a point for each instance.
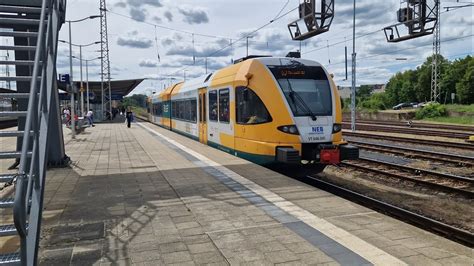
(293, 95)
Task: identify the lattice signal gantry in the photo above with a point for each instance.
(417, 18)
(313, 19)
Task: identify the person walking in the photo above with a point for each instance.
(67, 115)
(90, 118)
(129, 116)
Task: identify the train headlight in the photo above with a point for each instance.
(336, 128)
(290, 129)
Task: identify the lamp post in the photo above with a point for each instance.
(87, 76)
(80, 62)
(247, 37)
(71, 82)
(353, 91)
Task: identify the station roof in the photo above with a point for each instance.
(119, 87)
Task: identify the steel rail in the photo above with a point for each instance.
(407, 130)
(417, 153)
(457, 145)
(441, 187)
(462, 236)
(424, 171)
(415, 125)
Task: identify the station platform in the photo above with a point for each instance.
(148, 196)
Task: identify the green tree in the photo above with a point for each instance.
(137, 100)
(423, 84)
(392, 89)
(465, 88)
(364, 91)
(407, 88)
(454, 73)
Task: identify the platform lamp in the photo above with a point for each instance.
(87, 76)
(80, 60)
(71, 82)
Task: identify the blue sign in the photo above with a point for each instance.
(317, 130)
(64, 78)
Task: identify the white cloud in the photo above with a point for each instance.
(132, 42)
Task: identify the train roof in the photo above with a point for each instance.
(228, 72)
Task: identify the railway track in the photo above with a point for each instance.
(457, 145)
(443, 157)
(407, 130)
(415, 125)
(426, 223)
(435, 180)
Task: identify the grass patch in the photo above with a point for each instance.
(460, 108)
(139, 111)
(463, 120)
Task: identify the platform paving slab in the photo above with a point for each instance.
(133, 197)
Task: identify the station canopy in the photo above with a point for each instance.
(120, 88)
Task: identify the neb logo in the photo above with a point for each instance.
(317, 130)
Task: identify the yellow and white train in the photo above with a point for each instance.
(263, 109)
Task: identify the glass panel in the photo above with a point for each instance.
(224, 110)
(250, 108)
(174, 109)
(200, 108)
(302, 94)
(193, 110)
(306, 88)
(204, 107)
(213, 105)
(187, 110)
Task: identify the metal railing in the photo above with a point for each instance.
(28, 203)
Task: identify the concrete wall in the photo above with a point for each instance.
(384, 116)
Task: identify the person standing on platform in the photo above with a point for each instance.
(90, 118)
(67, 115)
(129, 116)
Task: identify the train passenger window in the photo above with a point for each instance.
(187, 110)
(182, 110)
(193, 110)
(213, 105)
(224, 110)
(204, 109)
(159, 109)
(250, 108)
(200, 109)
(174, 110)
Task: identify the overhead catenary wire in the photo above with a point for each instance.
(238, 40)
(411, 62)
(406, 49)
(350, 39)
(231, 44)
(174, 29)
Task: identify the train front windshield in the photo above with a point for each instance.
(306, 89)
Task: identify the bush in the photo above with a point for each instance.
(376, 102)
(431, 111)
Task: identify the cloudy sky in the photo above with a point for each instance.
(140, 30)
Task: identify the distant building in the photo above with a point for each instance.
(345, 91)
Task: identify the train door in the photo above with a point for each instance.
(202, 116)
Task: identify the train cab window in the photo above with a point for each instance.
(250, 108)
(213, 105)
(224, 110)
